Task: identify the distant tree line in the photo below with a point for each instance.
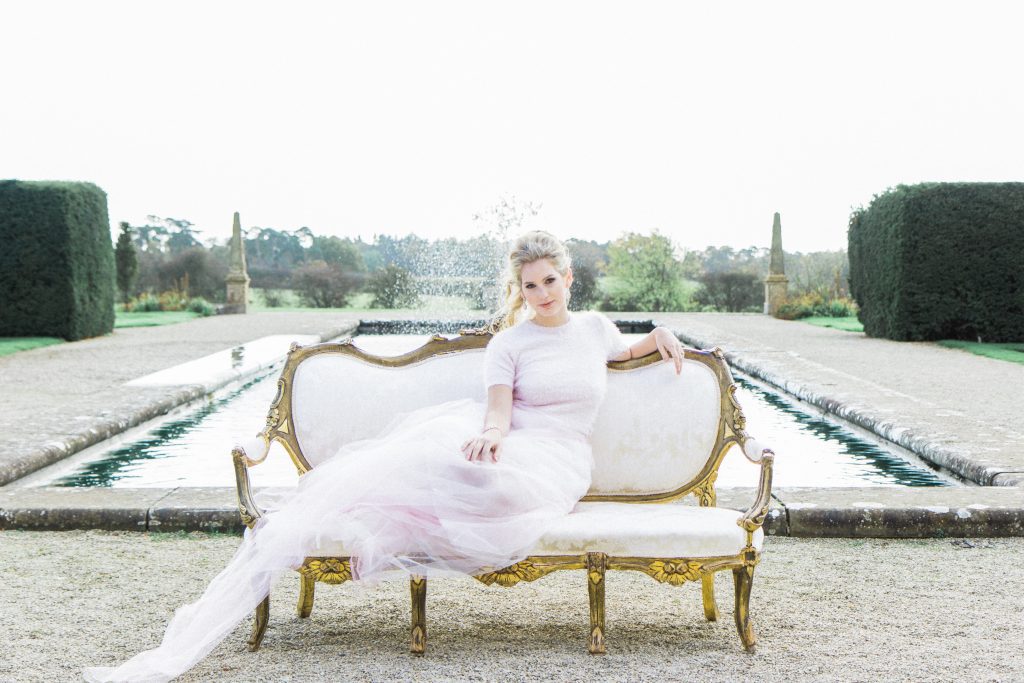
(635, 272)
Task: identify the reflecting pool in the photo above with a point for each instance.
(192, 447)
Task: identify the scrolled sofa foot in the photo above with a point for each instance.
(743, 578)
(418, 633)
(597, 564)
(708, 594)
(259, 625)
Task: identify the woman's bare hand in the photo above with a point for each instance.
(669, 347)
(487, 445)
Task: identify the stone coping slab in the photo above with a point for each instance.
(856, 512)
(196, 509)
(1009, 479)
(63, 509)
(897, 512)
(230, 365)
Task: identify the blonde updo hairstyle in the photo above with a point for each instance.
(529, 247)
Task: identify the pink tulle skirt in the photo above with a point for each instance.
(406, 500)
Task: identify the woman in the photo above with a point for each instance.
(407, 500)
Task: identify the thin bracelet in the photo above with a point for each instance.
(630, 349)
(487, 429)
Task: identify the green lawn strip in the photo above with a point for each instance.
(9, 345)
(850, 324)
(1010, 351)
(152, 318)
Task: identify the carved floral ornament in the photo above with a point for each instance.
(327, 569)
(675, 572)
(737, 413)
(510, 576)
(705, 491)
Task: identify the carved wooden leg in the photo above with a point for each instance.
(307, 590)
(708, 592)
(418, 588)
(596, 563)
(259, 625)
(744, 578)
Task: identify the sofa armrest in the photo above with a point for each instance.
(753, 518)
(754, 450)
(254, 450)
(247, 508)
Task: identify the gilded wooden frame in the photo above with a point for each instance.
(674, 571)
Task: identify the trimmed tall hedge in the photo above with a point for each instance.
(57, 273)
(941, 261)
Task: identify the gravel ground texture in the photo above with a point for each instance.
(824, 610)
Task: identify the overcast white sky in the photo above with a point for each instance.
(698, 119)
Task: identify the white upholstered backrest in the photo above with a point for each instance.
(339, 398)
(655, 431)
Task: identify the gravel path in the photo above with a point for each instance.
(843, 610)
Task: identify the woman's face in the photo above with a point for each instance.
(545, 291)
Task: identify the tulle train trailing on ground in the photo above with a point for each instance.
(406, 500)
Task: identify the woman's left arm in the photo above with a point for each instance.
(660, 339)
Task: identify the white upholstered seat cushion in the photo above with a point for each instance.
(656, 530)
(666, 530)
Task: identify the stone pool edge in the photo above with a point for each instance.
(950, 459)
(802, 512)
(101, 429)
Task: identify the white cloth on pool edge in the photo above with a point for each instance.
(409, 500)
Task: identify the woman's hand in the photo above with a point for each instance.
(487, 445)
(669, 347)
(660, 339)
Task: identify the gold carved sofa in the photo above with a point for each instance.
(641, 456)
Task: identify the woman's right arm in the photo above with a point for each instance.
(496, 425)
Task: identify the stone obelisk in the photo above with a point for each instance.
(776, 285)
(238, 274)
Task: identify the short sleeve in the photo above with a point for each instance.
(615, 343)
(499, 365)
